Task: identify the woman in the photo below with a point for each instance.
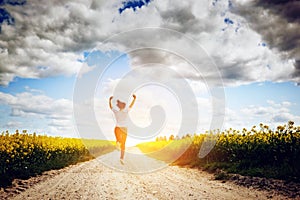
(121, 126)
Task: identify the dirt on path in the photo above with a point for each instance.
(140, 178)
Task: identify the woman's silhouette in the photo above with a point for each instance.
(121, 116)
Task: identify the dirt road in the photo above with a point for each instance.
(106, 178)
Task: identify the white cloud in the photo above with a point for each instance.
(148, 96)
(272, 114)
(54, 116)
(13, 124)
(32, 90)
(48, 39)
(151, 95)
(26, 106)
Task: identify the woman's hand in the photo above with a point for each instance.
(134, 96)
(110, 98)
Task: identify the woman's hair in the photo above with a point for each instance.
(121, 104)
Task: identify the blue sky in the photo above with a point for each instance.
(61, 87)
(258, 93)
(77, 40)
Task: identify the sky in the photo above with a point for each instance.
(194, 65)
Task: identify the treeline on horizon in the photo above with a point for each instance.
(257, 152)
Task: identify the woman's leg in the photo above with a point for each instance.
(118, 134)
(123, 141)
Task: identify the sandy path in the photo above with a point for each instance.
(94, 180)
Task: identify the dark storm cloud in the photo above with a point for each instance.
(297, 69)
(48, 38)
(289, 9)
(278, 21)
(43, 38)
(183, 20)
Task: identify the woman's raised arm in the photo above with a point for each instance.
(110, 105)
(134, 97)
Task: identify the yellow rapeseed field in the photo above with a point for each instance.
(23, 155)
(258, 152)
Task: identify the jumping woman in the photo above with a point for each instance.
(121, 116)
